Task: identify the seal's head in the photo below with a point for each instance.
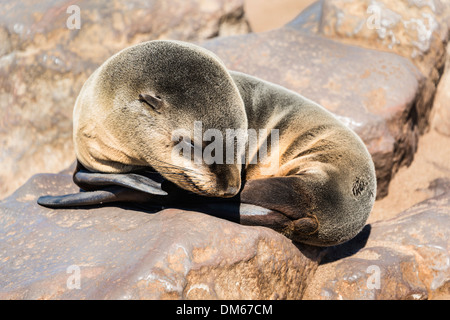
(151, 99)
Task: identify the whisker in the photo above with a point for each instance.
(182, 169)
(174, 166)
(169, 165)
(180, 174)
(177, 174)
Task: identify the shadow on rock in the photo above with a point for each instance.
(348, 248)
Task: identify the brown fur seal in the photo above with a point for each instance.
(320, 192)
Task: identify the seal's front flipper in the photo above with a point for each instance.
(91, 181)
(107, 187)
(111, 194)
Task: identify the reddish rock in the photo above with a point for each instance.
(124, 253)
(406, 257)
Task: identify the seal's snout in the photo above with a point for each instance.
(228, 182)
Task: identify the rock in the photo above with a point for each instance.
(375, 93)
(439, 186)
(441, 107)
(123, 253)
(406, 257)
(417, 30)
(43, 65)
(414, 29)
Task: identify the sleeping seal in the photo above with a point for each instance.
(293, 167)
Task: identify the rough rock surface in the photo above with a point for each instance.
(43, 65)
(415, 29)
(375, 93)
(122, 253)
(406, 257)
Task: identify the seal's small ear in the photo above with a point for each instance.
(153, 101)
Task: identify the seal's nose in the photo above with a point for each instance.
(230, 192)
(228, 181)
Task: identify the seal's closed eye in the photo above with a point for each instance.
(153, 101)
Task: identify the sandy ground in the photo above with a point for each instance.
(266, 15)
(411, 185)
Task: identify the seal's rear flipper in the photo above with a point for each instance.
(243, 213)
(111, 194)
